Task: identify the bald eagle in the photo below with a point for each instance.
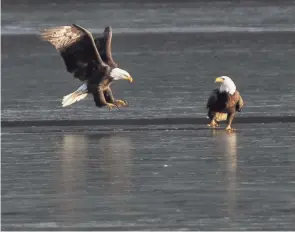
(224, 102)
(89, 60)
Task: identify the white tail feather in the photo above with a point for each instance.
(78, 95)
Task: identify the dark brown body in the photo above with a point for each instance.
(224, 103)
(101, 91)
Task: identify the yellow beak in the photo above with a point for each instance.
(129, 79)
(219, 80)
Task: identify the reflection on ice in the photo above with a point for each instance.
(92, 160)
(227, 144)
(117, 152)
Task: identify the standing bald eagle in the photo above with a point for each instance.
(88, 60)
(224, 101)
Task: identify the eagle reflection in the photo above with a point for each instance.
(227, 144)
(70, 178)
(117, 152)
(92, 164)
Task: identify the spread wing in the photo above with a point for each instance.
(77, 48)
(104, 46)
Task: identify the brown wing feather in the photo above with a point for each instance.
(62, 37)
(108, 35)
(240, 104)
(233, 100)
(77, 47)
(104, 46)
(217, 100)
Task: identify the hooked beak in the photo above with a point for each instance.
(129, 78)
(219, 80)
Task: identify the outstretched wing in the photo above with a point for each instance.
(77, 48)
(104, 46)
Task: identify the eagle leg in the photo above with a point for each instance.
(100, 100)
(110, 99)
(230, 120)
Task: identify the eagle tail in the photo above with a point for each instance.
(75, 96)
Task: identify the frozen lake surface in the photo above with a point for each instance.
(79, 168)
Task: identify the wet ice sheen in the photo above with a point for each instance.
(191, 179)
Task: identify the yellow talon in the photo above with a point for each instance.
(229, 129)
(121, 103)
(110, 106)
(213, 124)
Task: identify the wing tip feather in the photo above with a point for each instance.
(60, 36)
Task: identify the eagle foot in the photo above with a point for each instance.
(229, 129)
(120, 103)
(213, 124)
(110, 105)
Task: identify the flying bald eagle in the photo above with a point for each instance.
(224, 102)
(89, 60)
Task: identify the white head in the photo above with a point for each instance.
(227, 85)
(120, 74)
